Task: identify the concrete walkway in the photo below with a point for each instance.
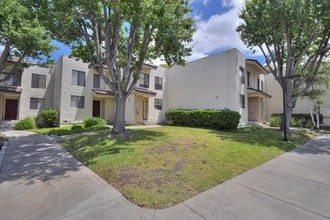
(40, 180)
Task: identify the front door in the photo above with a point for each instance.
(11, 109)
(145, 109)
(96, 108)
(253, 109)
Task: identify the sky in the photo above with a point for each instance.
(216, 22)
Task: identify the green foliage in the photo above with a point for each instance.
(297, 120)
(275, 121)
(22, 33)
(68, 130)
(94, 121)
(25, 124)
(216, 119)
(77, 128)
(50, 117)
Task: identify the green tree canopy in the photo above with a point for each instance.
(22, 35)
(293, 35)
(120, 36)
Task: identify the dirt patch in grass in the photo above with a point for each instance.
(174, 146)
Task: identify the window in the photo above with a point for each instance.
(258, 84)
(242, 101)
(37, 103)
(144, 80)
(77, 101)
(158, 83)
(262, 85)
(158, 104)
(98, 82)
(78, 78)
(241, 74)
(248, 78)
(38, 81)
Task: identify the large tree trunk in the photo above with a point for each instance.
(4, 55)
(288, 105)
(118, 129)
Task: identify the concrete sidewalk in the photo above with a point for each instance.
(40, 180)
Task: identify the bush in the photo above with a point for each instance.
(216, 119)
(77, 128)
(50, 117)
(297, 120)
(275, 121)
(25, 124)
(93, 121)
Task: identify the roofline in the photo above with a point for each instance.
(259, 64)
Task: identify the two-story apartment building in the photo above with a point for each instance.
(224, 80)
(78, 92)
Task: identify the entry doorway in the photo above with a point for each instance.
(11, 109)
(96, 108)
(253, 109)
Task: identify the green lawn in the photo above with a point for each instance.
(160, 167)
(66, 130)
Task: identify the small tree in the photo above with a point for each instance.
(316, 93)
(293, 35)
(22, 36)
(116, 37)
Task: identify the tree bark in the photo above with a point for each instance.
(4, 55)
(310, 105)
(118, 129)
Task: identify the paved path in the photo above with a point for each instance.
(40, 180)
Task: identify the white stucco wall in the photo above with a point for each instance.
(209, 83)
(28, 92)
(275, 104)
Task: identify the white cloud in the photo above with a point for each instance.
(219, 32)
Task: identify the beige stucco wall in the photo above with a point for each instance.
(209, 83)
(28, 92)
(275, 104)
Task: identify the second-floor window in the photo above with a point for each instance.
(37, 103)
(241, 75)
(98, 82)
(248, 78)
(261, 85)
(144, 80)
(258, 84)
(158, 83)
(77, 101)
(78, 78)
(38, 81)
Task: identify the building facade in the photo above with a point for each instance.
(78, 92)
(275, 104)
(224, 80)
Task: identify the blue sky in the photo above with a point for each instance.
(216, 22)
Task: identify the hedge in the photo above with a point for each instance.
(50, 117)
(297, 120)
(216, 119)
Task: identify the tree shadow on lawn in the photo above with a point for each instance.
(88, 147)
(261, 138)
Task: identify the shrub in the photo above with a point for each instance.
(216, 119)
(25, 124)
(50, 117)
(297, 120)
(93, 121)
(77, 128)
(275, 121)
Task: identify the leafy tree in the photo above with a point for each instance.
(293, 35)
(116, 37)
(316, 93)
(21, 36)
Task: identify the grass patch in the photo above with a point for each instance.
(160, 167)
(66, 130)
(246, 129)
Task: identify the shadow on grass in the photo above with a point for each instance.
(265, 138)
(88, 147)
